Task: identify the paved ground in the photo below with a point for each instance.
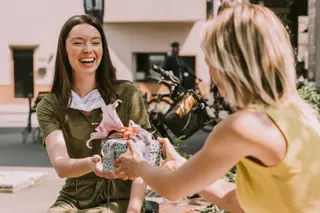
(36, 199)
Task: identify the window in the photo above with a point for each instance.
(144, 61)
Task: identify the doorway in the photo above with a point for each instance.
(23, 73)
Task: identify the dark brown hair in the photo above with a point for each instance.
(105, 74)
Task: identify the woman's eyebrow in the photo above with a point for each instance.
(80, 38)
(76, 37)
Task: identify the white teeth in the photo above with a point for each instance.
(87, 60)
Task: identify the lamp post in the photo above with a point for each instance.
(94, 8)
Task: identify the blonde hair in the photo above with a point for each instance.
(224, 4)
(250, 50)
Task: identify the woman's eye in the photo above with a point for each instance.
(77, 43)
(96, 43)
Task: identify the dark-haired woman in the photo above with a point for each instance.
(84, 81)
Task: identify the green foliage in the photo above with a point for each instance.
(211, 208)
(230, 176)
(310, 93)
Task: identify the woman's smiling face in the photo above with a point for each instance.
(84, 49)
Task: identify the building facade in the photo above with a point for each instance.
(138, 32)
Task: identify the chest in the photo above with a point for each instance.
(77, 130)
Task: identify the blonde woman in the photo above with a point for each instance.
(273, 137)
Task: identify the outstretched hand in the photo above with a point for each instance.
(95, 163)
(127, 163)
(173, 159)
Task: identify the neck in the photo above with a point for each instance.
(83, 85)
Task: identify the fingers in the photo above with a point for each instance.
(169, 150)
(117, 163)
(131, 146)
(123, 176)
(163, 141)
(124, 173)
(98, 168)
(96, 158)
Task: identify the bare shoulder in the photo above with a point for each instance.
(248, 123)
(253, 131)
(235, 137)
(245, 127)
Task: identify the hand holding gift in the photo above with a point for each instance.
(127, 162)
(114, 136)
(95, 163)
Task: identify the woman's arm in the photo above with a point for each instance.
(49, 123)
(232, 140)
(223, 194)
(65, 166)
(137, 195)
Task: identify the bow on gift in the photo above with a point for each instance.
(112, 127)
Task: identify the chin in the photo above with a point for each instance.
(89, 71)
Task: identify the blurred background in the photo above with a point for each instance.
(139, 34)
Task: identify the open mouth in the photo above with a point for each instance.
(87, 60)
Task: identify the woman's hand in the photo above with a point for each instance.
(173, 159)
(95, 164)
(128, 162)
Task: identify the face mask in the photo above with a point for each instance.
(90, 102)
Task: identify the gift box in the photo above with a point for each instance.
(114, 137)
(113, 148)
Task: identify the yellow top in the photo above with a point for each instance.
(292, 186)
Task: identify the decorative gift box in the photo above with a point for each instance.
(113, 148)
(114, 137)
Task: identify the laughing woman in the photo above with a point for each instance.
(84, 81)
(274, 137)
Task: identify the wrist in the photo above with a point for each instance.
(134, 208)
(138, 168)
(89, 164)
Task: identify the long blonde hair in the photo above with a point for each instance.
(250, 50)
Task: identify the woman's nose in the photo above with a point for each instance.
(87, 48)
